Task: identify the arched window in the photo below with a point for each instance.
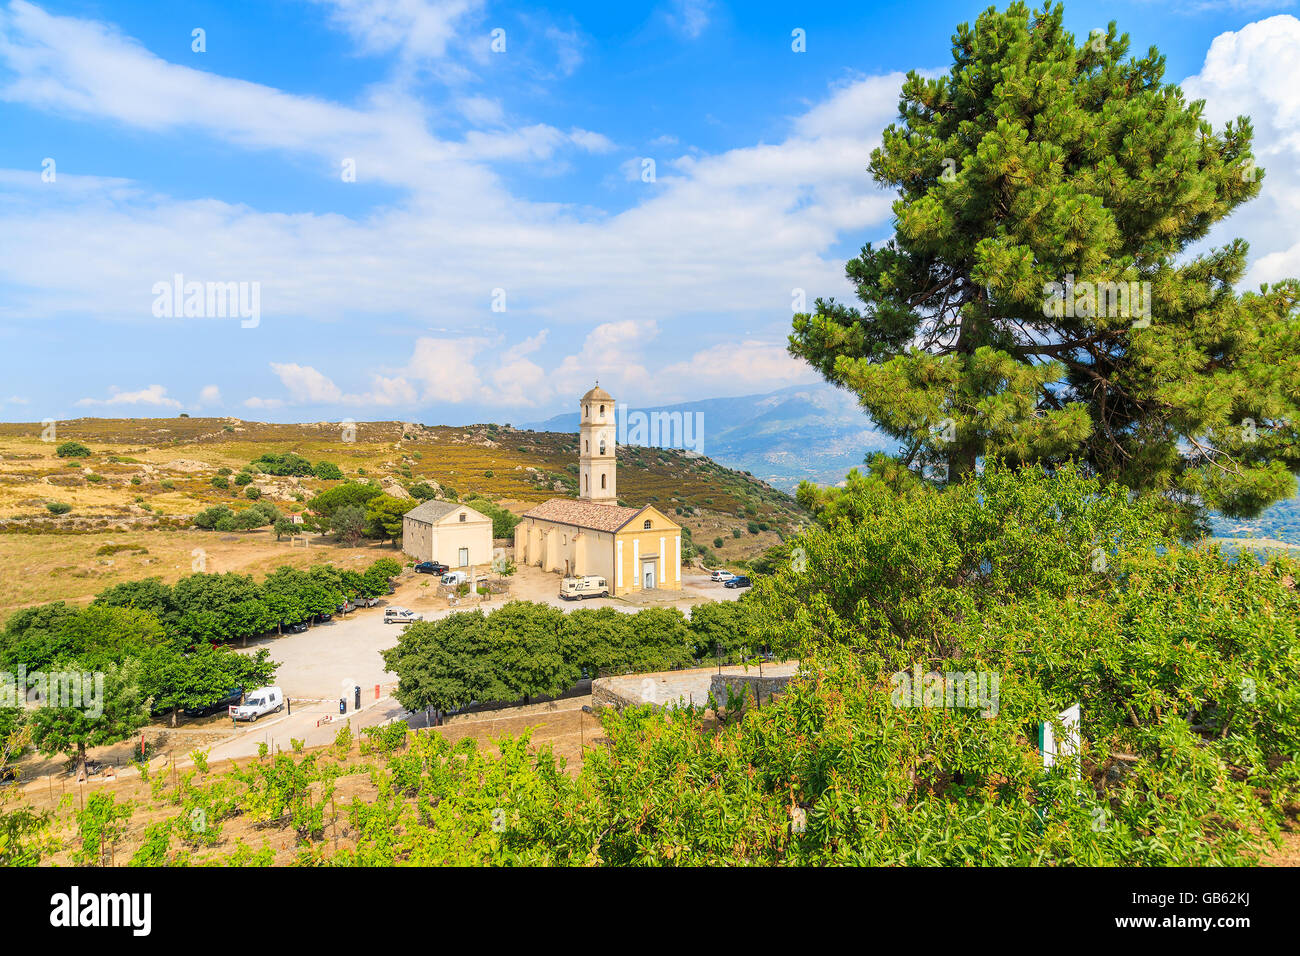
(586, 411)
(602, 446)
(586, 446)
(586, 483)
(646, 526)
(602, 409)
(602, 482)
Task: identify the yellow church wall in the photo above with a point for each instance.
(636, 548)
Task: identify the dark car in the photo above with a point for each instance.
(324, 618)
(298, 628)
(232, 699)
(740, 581)
(431, 567)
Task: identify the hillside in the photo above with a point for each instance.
(146, 478)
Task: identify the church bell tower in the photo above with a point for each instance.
(596, 442)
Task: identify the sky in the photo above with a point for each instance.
(454, 211)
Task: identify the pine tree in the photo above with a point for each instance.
(1039, 301)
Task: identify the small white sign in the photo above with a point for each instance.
(1067, 747)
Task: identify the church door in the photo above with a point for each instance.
(649, 576)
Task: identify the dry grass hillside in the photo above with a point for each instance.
(132, 499)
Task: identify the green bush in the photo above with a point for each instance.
(58, 507)
(210, 517)
(220, 481)
(284, 465)
(252, 492)
(72, 449)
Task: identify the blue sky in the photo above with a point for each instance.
(512, 178)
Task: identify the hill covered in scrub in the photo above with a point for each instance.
(123, 474)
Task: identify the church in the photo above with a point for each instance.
(633, 549)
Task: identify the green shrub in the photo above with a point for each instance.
(72, 449)
(220, 481)
(58, 507)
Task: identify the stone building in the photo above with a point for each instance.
(632, 548)
(449, 533)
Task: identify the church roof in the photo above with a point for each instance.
(583, 514)
(597, 394)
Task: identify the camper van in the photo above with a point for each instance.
(579, 589)
(259, 702)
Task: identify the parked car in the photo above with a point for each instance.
(739, 581)
(721, 575)
(346, 606)
(431, 567)
(454, 578)
(259, 702)
(297, 628)
(324, 618)
(232, 699)
(367, 601)
(581, 588)
(401, 615)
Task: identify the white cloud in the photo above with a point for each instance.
(307, 386)
(418, 29)
(1251, 72)
(210, 395)
(150, 395)
(737, 369)
(568, 49)
(691, 17)
(614, 351)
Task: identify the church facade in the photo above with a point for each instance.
(634, 549)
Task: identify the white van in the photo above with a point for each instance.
(579, 589)
(401, 615)
(264, 700)
(454, 578)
